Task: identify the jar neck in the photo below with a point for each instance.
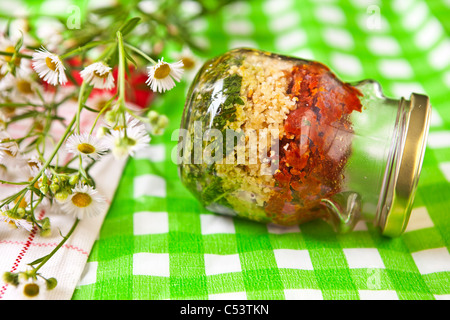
(393, 165)
(381, 175)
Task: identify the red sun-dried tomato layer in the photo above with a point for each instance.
(316, 145)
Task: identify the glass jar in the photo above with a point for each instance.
(282, 140)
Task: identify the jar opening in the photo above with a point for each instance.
(402, 173)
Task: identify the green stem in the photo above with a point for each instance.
(80, 105)
(85, 47)
(22, 195)
(106, 53)
(17, 105)
(143, 119)
(55, 151)
(47, 257)
(10, 54)
(105, 107)
(121, 88)
(122, 61)
(14, 183)
(140, 52)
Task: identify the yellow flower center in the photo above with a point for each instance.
(36, 184)
(24, 86)
(9, 147)
(86, 148)
(9, 153)
(23, 203)
(103, 76)
(38, 126)
(100, 104)
(11, 49)
(31, 290)
(52, 65)
(188, 63)
(162, 71)
(81, 200)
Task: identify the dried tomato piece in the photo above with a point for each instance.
(317, 144)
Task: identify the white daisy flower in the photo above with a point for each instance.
(99, 101)
(49, 67)
(6, 81)
(21, 66)
(130, 121)
(99, 75)
(6, 45)
(86, 145)
(14, 223)
(22, 88)
(84, 201)
(9, 151)
(161, 76)
(122, 144)
(190, 61)
(30, 171)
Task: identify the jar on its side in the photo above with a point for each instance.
(282, 140)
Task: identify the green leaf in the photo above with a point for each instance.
(106, 11)
(114, 57)
(38, 260)
(239, 101)
(19, 43)
(90, 109)
(128, 57)
(129, 26)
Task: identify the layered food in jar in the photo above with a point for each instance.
(267, 137)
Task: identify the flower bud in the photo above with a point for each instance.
(24, 276)
(153, 116)
(111, 117)
(45, 232)
(163, 121)
(74, 180)
(51, 283)
(45, 223)
(21, 212)
(101, 132)
(61, 196)
(11, 278)
(157, 131)
(44, 188)
(54, 188)
(13, 214)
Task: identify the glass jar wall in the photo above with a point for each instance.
(282, 140)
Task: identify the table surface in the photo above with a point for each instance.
(157, 242)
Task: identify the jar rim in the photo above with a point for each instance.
(394, 220)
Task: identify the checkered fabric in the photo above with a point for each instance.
(157, 242)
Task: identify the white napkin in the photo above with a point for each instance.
(19, 247)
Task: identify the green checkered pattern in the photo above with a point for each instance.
(405, 46)
(186, 252)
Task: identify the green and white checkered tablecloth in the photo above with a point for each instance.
(157, 242)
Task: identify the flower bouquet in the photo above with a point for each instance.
(104, 75)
